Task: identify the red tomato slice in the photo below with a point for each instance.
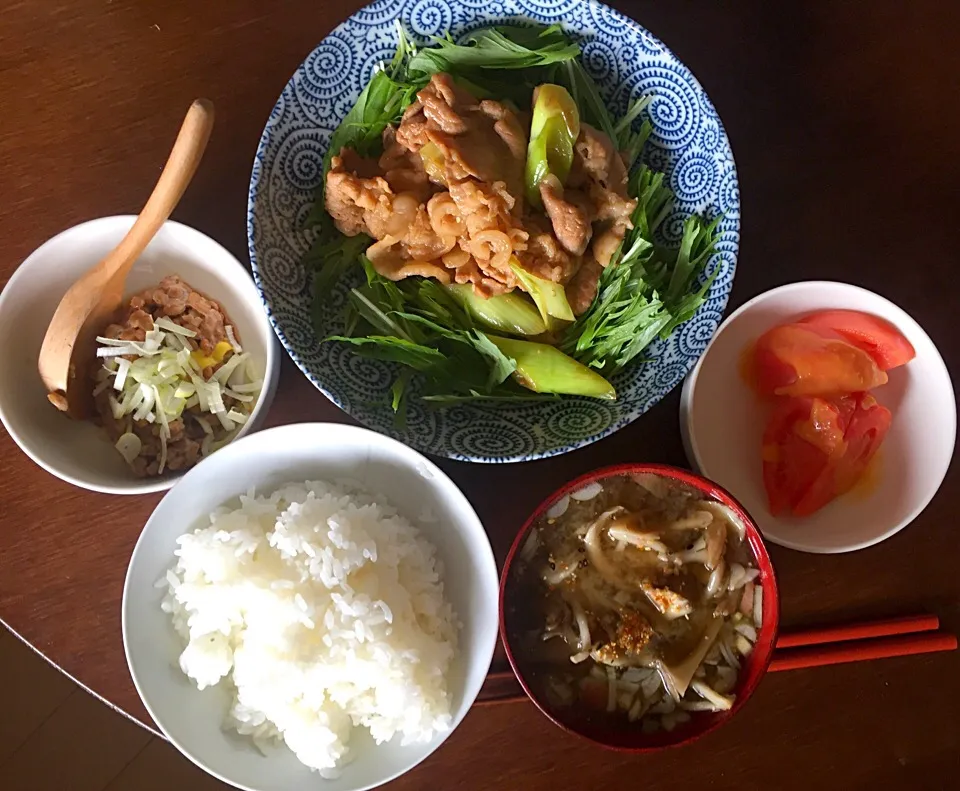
(799, 360)
(877, 337)
(801, 438)
(815, 449)
(865, 433)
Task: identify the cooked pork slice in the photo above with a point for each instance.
(482, 284)
(391, 259)
(569, 214)
(403, 169)
(483, 206)
(596, 160)
(369, 205)
(582, 287)
(599, 171)
(421, 242)
(545, 257)
(352, 162)
(479, 140)
(445, 104)
(412, 131)
(605, 244)
(508, 126)
(352, 200)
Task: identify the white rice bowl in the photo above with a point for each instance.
(321, 609)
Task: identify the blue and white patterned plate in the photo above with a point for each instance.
(688, 143)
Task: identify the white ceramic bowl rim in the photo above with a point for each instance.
(240, 278)
(313, 446)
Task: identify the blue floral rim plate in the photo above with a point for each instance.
(688, 144)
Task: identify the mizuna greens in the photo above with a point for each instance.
(465, 347)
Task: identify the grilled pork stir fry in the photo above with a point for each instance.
(636, 598)
(446, 199)
(486, 192)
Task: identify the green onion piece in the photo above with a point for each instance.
(545, 369)
(554, 129)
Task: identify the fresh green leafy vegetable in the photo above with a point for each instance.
(625, 314)
(398, 350)
(696, 246)
(330, 257)
(434, 336)
(503, 395)
(642, 293)
(501, 365)
(398, 395)
(382, 102)
(587, 96)
(631, 142)
(654, 200)
(429, 298)
(486, 63)
(417, 324)
(496, 48)
(379, 303)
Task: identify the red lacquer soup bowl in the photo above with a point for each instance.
(616, 732)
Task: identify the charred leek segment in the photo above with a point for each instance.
(510, 313)
(544, 369)
(553, 131)
(550, 297)
(165, 377)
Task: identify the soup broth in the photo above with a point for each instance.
(635, 598)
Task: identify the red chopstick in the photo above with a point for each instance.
(859, 631)
(831, 645)
(862, 650)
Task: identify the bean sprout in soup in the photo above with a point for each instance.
(637, 599)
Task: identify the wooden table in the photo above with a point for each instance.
(846, 127)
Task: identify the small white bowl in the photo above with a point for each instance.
(192, 720)
(722, 422)
(79, 452)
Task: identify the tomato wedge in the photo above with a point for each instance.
(801, 360)
(866, 430)
(801, 438)
(815, 449)
(877, 337)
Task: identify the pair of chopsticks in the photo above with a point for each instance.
(833, 645)
(829, 645)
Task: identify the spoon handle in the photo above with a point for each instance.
(177, 173)
(99, 291)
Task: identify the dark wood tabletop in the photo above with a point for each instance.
(845, 122)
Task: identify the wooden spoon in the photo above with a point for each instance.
(91, 302)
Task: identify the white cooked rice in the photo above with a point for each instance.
(323, 609)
